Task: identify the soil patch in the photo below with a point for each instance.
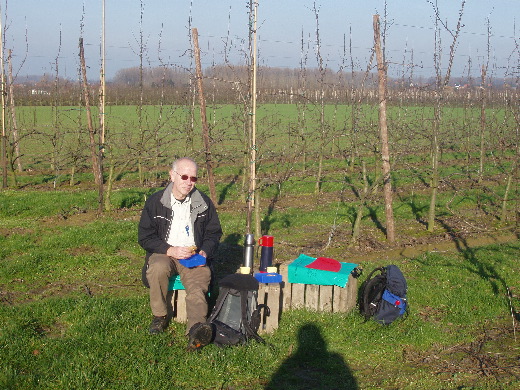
(449, 244)
(493, 357)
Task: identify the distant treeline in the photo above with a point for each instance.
(225, 84)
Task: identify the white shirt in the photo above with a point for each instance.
(181, 230)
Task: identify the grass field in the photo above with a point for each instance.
(74, 315)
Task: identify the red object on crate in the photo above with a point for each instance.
(325, 264)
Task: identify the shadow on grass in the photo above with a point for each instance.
(486, 271)
(372, 212)
(312, 366)
(416, 209)
(474, 265)
(229, 256)
(268, 220)
(226, 189)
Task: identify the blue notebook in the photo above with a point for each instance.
(193, 261)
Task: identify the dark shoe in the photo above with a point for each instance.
(199, 336)
(158, 325)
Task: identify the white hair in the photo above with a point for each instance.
(174, 165)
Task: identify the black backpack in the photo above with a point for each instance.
(383, 296)
(235, 317)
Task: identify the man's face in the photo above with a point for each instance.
(181, 188)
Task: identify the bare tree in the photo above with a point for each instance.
(302, 101)
(354, 107)
(94, 146)
(441, 83)
(356, 226)
(253, 198)
(17, 158)
(483, 95)
(190, 120)
(57, 138)
(513, 174)
(323, 136)
(385, 154)
(205, 128)
(141, 142)
(367, 190)
(3, 92)
(102, 91)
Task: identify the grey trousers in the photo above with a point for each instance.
(195, 280)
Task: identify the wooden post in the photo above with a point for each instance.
(176, 303)
(180, 310)
(203, 119)
(270, 294)
(312, 296)
(337, 299)
(287, 287)
(103, 88)
(298, 296)
(253, 199)
(96, 166)
(344, 298)
(3, 91)
(482, 92)
(326, 299)
(385, 154)
(16, 138)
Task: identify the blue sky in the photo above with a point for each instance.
(43, 33)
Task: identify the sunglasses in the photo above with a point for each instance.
(186, 177)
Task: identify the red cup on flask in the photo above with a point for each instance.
(266, 253)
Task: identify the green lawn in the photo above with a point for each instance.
(73, 312)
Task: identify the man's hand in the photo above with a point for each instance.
(180, 252)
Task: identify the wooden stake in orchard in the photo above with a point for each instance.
(203, 119)
(14, 126)
(253, 200)
(385, 154)
(4, 133)
(94, 147)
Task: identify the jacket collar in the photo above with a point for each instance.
(196, 198)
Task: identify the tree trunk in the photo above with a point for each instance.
(356, 229)
(16, 138)
(94, 147)
(108, 194)
(321, 83)
(482, 123)
(301, 105)
(435, 168)
(253, 195)
(385, 154)
(203, 119)
(3, 92)
(441, 84)
(319, 176)
(505, 198)
(72, 173)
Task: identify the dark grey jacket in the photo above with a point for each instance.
(157, 216)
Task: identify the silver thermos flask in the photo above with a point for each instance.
(249, 250)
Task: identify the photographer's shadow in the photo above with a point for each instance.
(312, 366)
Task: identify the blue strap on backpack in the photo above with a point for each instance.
(395, 301)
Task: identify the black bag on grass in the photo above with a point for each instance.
(236, 316)
(383, 296)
